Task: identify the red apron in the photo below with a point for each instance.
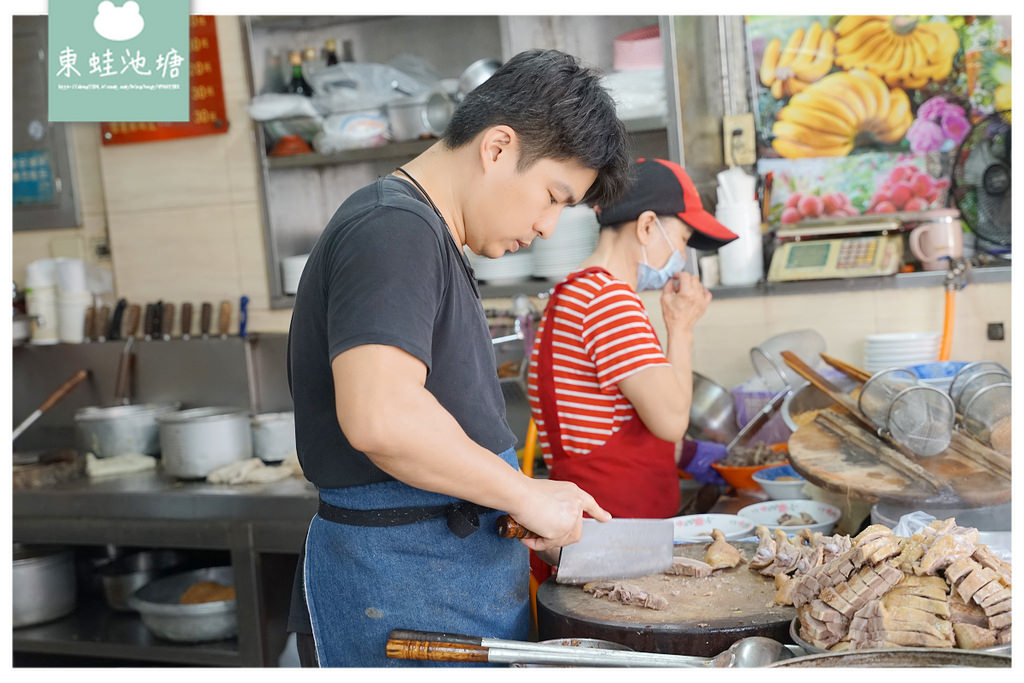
(633, 474)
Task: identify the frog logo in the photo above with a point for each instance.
(118, 23)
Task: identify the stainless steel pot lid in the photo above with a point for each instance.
(207, 414)
(90, 413)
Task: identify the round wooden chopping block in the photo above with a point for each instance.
(704, 616)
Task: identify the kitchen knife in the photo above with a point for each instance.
(102, 323)
(132, 324)
(90, 317)
(147, 322)
(167, 322)
(158, 318)
(225, 319)
(114, 330)
(186, 320)
(617, 549)
(205, 318)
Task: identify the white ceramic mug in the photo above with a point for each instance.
(932, 243)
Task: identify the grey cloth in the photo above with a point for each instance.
(386, 271)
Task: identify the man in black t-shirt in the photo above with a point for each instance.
(398, 411)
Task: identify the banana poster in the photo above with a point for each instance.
(848, 106)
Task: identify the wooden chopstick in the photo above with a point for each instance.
(851, 371)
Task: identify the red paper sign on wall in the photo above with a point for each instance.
(207, 113)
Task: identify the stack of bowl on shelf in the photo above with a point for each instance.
(573, 240)
(508, 269)
(900, 349)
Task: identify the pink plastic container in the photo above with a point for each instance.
(639, 49)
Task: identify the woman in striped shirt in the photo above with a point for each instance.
(612, 403)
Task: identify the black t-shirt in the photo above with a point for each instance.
(387, 271)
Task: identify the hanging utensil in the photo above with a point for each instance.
(102, 323)
(113, 332)
(205, 318)
(167, 321)
(90, 318)
(50, 401)
(125, 368)
(186, 320)
(132, 324)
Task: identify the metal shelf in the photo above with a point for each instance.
(95, 630)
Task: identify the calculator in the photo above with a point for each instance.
(840, 257)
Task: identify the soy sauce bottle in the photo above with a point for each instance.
(298, 84)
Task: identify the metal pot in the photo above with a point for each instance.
(195, 442)
(422, 116)
(476, 74)
(43, 582)
(118, 430)
(157, 604)
(273, 436)
(125, 575)
(712, 411)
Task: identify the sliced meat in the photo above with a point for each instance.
(998, 607)
(961, 612)
(946, 550)
(784, 586)
(937, 607)
(986, 558)
(626, 593)
(1000, 621)
(970, 584)
(721, 555)
(993, 598)
(960, 568)
(1003, 637)
(971, 637)
(833, 599)
(825, 613)
(684, 566)
(915, 639)
(989, 589)
(932, 587)
(871, 533)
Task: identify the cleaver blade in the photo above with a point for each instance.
(617, 549)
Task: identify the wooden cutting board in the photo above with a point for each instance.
(703, 618)
(844, 468)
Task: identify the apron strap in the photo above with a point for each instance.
(463, 517)
(545, 366)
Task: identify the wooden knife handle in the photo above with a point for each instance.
(510, 528)
(147, 321)
(132, 325)
(75, 380)
(224, 320)
(186, 319)
(102, 321)
(434, 652)
(205, 318)
(167, 323)
(90, 324)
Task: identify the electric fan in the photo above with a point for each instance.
(980, 184)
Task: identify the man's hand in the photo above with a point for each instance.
(554, 511)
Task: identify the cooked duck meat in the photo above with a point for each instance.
(989, 590)
(720, 554)
(871, 533)
(933, 587)
(936, 607)
(765, 553)
(784, 585)
(957, 570)
(877, 549)
(1004, 636)
(684, 566)
(994, 608)
(1000, 621)
(986, 558)
(802, 519)
(970, 584)
(961, 612)
(943, 552)
(626, 593)
(972, 637)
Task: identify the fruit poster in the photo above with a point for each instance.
(860, 114)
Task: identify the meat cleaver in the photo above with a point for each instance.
(617, 549)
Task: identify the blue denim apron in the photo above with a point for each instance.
(362, 581)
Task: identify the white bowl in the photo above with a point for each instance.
(768, 513)
(697, 528)
(788, 489)
(901, 337)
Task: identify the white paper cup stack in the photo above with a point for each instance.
(41, 301)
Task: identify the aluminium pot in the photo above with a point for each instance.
(125, 575)
(273, 436)
(198, 441)
(43, 584)
(426, 115)
(119, 430)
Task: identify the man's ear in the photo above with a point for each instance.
(499, 144)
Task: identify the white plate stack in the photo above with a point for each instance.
(574, 239)
(508, 269)
(900, 350)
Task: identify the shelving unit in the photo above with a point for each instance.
(302, 191)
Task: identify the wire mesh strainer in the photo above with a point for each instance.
(987, 416)
(767, 359)
(915, 415)
(970, 370)
(976, 383)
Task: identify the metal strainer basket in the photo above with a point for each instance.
(976, 383)
(964, 375)
(915, 415)
(987, 416)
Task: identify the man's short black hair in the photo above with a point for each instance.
(559, 110)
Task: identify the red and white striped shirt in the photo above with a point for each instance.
(602, 335)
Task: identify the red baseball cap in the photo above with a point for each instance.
(664, 188)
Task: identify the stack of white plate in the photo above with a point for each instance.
(508, 269)
(574, 239)
(900, 349)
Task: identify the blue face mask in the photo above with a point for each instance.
(647, 277)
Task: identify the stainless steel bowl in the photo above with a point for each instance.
(125, 575)
(43, 584)
(157, 604)
(712, 411)
(476, 74)
(118, 430)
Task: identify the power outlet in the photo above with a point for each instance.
(738, 139)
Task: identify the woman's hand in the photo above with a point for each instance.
(683, 301)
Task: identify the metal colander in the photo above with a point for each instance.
(915, 415)
(964, 375)
(987, 416)
(977, 383)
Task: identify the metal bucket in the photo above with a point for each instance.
(273, 436)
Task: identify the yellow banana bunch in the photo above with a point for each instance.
(826, 118)
(806, 58)
(904, 51)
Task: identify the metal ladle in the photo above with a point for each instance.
(450, 647)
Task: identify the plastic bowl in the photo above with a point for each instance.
(768, 513)
(781, 482)
(741, 478)
(697, 528)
